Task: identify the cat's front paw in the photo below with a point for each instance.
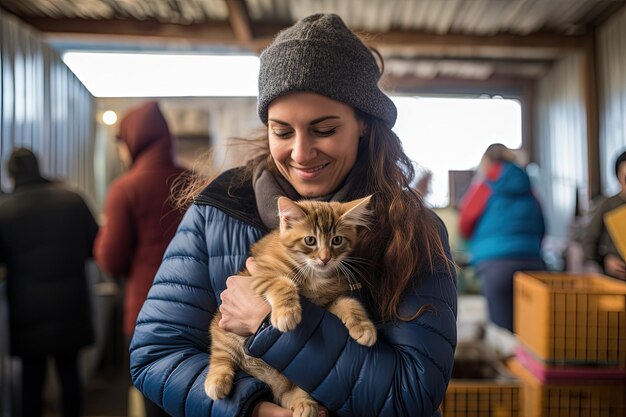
(364, 333)
(218, 385)
(304, 407)
(286, 317)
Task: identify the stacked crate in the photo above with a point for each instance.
(481, 386)
(572, 333)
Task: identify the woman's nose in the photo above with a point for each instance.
(303, 149)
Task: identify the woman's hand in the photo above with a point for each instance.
(242, 309)
(267, 409)
(614, 266)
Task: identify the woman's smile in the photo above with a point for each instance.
(310, 173)
(313, 141)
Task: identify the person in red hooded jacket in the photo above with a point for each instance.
(139, 218)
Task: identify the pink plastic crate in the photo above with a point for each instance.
(565, 373)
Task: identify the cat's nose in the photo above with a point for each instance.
(324, 255)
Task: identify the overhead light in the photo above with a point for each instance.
(107, 74)
(109, 117)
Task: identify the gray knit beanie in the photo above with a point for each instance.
(319, 54)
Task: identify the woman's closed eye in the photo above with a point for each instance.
(325, 132)
(282, 133)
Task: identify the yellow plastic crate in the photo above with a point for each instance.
(481, 386)
(482, 399)
(571, 319)
(592, 398)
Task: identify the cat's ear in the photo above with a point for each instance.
(358, 212)
(289, 212)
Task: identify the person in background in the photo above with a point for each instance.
(503, 222)
(139, 216)
(598, 247)
(424, 183)
(46, 236)
(328, 137)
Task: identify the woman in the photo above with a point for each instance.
(140, 219)
(503, 222)
(328, 137)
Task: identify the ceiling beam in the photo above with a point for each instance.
(239, 19)
(506, 86)
(240, 31)
(214, 32)
(538, 40)
(535, 46)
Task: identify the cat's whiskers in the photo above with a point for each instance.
(349, 276)
(302, 272)
(297, 275)
(353, 270)
(357, 260)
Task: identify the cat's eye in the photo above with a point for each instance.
(310, 240)
(337, 240)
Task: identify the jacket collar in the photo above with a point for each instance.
(234, 197)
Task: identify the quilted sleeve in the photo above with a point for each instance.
(168, 353)
(405, 373)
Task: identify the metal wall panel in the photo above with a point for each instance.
(561, 143)
(43, 106)
(612, 95)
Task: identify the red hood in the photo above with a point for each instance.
(143, 126)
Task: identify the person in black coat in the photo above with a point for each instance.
(46, 235)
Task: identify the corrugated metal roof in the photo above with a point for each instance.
(470, 17)
(426, 38)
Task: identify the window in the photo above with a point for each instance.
(443, 134)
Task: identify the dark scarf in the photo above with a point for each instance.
(269, 185)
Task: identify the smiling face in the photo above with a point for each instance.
(313, 141)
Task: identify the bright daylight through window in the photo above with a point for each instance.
(443, 134)
(439, 134)
(107, 74)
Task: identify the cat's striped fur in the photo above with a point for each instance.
(307, 255)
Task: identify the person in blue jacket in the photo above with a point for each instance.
(503, 222)
(328, 137)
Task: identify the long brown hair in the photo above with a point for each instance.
(411, 236)
(405, 238)
(188, 187)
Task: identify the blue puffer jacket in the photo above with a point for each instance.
(405, 374)
(511, 222)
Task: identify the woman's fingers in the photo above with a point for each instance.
(251, 265)
(242, 309)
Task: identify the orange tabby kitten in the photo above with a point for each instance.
(304, 256)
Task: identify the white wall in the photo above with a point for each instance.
(222, 118)
(611, 53)
(560, 141)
